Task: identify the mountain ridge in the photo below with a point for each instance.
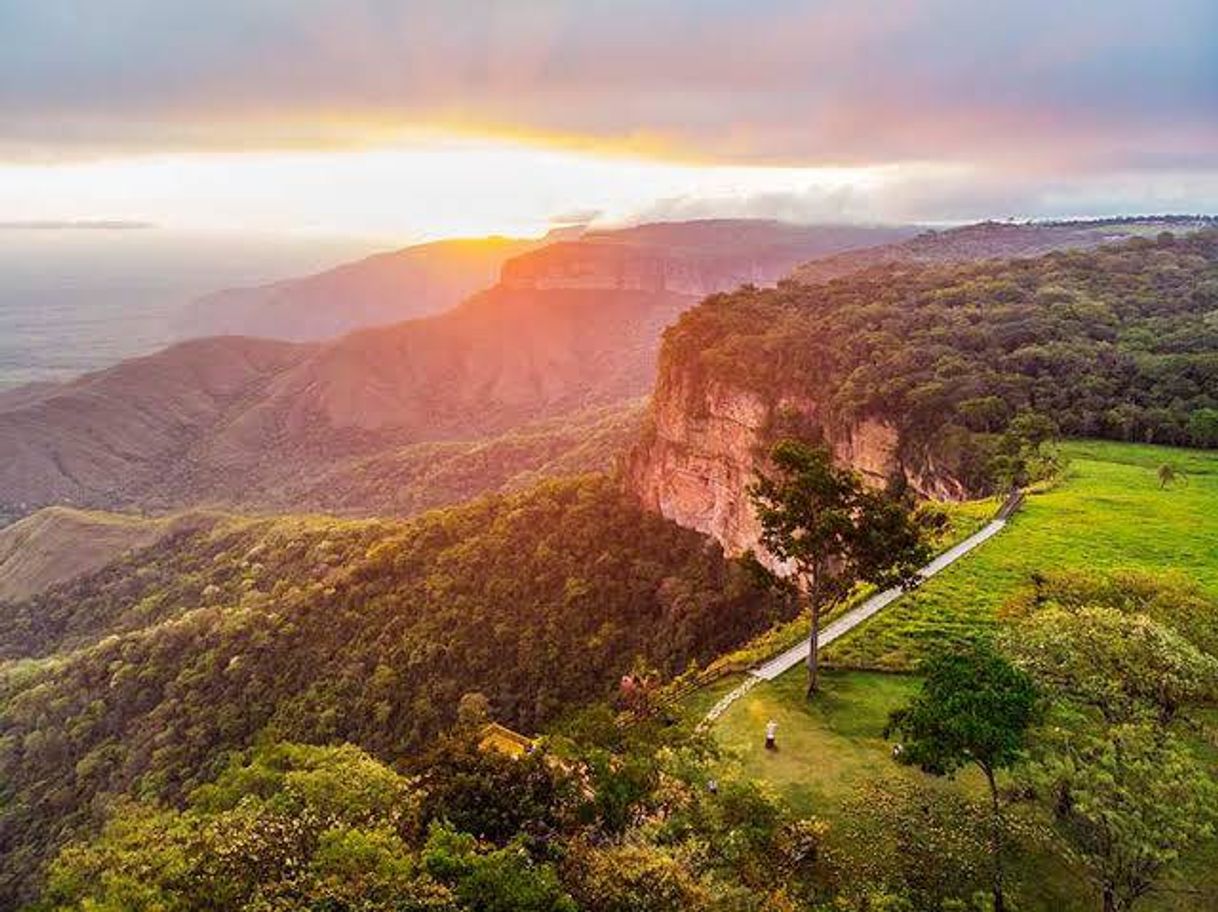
(150, 433)
(996, 240)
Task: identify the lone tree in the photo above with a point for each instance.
(833, 531)
(975, 707)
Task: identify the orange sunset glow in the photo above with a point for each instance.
(608, 455)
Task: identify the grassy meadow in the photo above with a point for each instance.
(1107, 512)
(827, 748)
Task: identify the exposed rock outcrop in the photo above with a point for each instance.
(708, 438)
(588, 264)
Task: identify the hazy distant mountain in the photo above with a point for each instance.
(685, 257)
(239, 421)
(59, 544)
(995, 240)
(381, 289)
(573, 325)
(692, 258)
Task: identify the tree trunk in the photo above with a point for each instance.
(995, 839)
(814, 649)
(1110, 903)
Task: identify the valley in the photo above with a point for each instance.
(556, 456)
(237, 546)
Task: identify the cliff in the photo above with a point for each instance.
(708, 437)
(685, 258)
(913, 372)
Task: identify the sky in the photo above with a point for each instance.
(411, 119)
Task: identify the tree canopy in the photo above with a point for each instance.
(1118, 342)
(833, 530)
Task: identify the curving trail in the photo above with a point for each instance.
(788, 659)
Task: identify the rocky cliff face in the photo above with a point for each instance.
(707, 439)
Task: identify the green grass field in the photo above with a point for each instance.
(1107, 512)
(825, 747)
(828, 747)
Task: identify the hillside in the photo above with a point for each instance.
(143, 674)
(381, 289)
(693, 258)
(405, 480)
(233, 420)
(994, 241)
(914, 374)
(94, 439)
(58, 544)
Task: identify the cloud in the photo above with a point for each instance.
(1040, 84)
(937, 194)
(576, 217)
(74, 225)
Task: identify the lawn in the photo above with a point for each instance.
(830, 746)
(1106, 512)
(825, 747)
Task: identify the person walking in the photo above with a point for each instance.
(771, 732)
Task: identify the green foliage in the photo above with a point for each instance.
(831, 527)
(633, 878)
(974, 707)
(291, 827)
(910, 839)
(833, 530)
(1127, 666)
(487, 794)
(1127, 801)
(498, 880)
(1127, 794)
(329, 631)
(1203, 427)
(1021, 455)
(1116, 342)
(1172, 598)
(328, 829)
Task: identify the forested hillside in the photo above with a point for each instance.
(142, 676)
(992, 240)
(1118, 342)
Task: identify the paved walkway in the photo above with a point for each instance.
(787, 660)
(799, 652)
